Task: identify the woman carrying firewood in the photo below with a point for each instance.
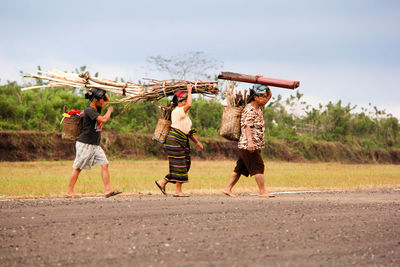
(251, 141)
(177, 143)
(88, 149)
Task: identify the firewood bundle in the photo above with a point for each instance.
(130, 92)
(235, 100)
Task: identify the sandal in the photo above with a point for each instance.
(181, 195)
(162, 189)
(113, 193)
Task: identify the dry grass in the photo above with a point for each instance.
(38, 179)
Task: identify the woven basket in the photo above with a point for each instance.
(230, 123)
(162, 130)
(71, 127)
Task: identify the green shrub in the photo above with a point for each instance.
(41, 109)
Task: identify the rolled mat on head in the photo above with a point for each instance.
(259, 79)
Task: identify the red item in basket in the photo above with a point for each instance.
(75, 112)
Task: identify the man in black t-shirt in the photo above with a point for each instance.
(88, 149)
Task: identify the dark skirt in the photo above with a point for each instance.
(178, 150)
(249, 163)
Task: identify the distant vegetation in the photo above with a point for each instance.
(291, 120)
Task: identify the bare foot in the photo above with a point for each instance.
(266, 195)
(71, 195)
(229, 194)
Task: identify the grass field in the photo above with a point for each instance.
(44, 179)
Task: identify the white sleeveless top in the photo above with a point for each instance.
(180, 120)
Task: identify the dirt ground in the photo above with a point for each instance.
(313, 229)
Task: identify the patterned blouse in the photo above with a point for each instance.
(254, 118)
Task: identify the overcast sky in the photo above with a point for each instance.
(339, 50)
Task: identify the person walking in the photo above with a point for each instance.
(251, 141)
(88, 149)
(177, 143)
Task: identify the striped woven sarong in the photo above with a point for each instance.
(178, 150)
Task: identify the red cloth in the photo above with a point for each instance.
(180, 93)
(74, 112)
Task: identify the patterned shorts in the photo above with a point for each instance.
(88, 156)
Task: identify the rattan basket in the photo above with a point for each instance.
(71, 127)
(162, 130)
(230, 123)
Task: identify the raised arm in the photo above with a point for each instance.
(189, 98)
(104, 102)
(269, 94)
(106, 99)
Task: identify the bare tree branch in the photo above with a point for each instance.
(191, 65)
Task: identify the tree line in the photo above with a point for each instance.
(288, 119)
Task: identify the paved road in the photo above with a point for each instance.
(310, 229)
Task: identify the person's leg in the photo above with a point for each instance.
(179, 163)
(256, 167)
(260, 180)
(72, 181)
(240, 169)
(231, 183)
(171, 146)
(163, 182)
(105, 175)
(178, 188)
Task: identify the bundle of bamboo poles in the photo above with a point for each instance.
(131, 92)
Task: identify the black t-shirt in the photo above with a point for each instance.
(91, 129)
